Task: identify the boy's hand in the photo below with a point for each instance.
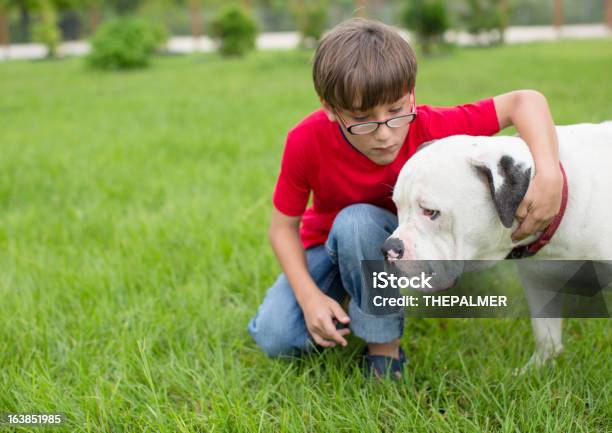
(321, 313)
(528, 111)
(540, 204)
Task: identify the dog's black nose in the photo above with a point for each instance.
(392, 248)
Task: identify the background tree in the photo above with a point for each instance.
(124, 42)
(311, 20)
(558, 14)
(159, 13)
(46, 30)
(196, 14)
(235, 30)
(25, 8)
(68, 19)
(487, 19)
(95, 14)
(93, 8)
(5, 7)
(195, 19)
(429, 20)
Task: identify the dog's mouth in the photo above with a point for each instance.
(440, 276)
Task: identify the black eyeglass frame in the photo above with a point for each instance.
(412, 114)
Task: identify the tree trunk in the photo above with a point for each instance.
(503, 25)
(5, 38)
(558, 14)
(196, 22)
(94, 17)
(298, 9)
(608, 13)
(24, 22)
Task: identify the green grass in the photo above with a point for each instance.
(133, 251)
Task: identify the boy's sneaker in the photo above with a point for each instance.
(381, 367)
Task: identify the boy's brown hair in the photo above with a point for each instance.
(363, 63)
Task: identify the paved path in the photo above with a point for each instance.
(288, 40)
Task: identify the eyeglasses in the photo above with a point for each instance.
(369, 127)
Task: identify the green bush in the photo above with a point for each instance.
(311, 20)
(429, 19)
(235, 30)
(486, 17)
(46, 31)
(124, 43)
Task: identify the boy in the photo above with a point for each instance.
(349, 154)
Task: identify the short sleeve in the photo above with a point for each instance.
(292, 187)
(478, 118)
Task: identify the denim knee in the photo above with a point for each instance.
(354, 216)
(362, 228)
(275, 338)
(278, 327)
(356, 235)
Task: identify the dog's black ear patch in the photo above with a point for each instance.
(509, 195)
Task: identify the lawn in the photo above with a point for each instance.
(133, 251)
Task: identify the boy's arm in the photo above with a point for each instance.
(528, 111)
(319, 309)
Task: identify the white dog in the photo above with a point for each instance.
(457, 199)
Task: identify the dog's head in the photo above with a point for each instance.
(457, 197)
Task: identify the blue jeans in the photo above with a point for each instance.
(357, 233)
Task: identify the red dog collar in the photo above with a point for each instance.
(532, 248)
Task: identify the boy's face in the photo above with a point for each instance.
(383, 145)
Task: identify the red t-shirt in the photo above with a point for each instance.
(318, 159)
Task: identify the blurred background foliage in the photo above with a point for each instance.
(233, 25)
(430, 20)
(125, 42)
(78, 19)
(235, 30)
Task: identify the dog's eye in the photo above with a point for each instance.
(430, 213)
